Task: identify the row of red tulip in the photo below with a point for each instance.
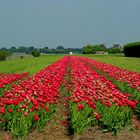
(6, 79)
(122, 75)
(40, 88)
(94, 100)
(90, 86)
(34, 99)
(34, 95)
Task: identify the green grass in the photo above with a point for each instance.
(31, 65)
(128, 63)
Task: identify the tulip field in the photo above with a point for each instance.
(94, 94)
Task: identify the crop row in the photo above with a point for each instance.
(126, 81)
(122, 75)
(30, 103)
(91, 99)
(6, 79)
(95, 98)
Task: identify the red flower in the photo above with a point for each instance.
(97, 116)
(31, 110)
(2, 110)
(36, 117)
(2, 120)
(24, 106)
(42, 105)
(25, 114)
(47, 109)
(35, 107)
(10, 110)
(18, 110)
(80, 107)
(15, 102)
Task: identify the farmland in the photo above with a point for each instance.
(70, 97)
(30, 65)
(122, 62)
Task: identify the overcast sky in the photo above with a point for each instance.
(70, 23)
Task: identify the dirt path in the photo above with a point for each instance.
(57, 128)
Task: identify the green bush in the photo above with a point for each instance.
(132, 49)
(114, 50)
(91, 49)
(35, 53)
(3, 55)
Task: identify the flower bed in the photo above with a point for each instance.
(30, 103)
(6, 79)
(95, 100)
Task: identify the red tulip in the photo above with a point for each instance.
(10, 110)
(47, 109)
(2, 120)
(80, 107)
(97, 116)
(36, 117)
(25, 114)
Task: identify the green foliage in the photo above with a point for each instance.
(113, 118)
(47, 50)
(132, 49)
(124, 87)
(20, 125)
(3, 55)
(35, 53)
(80, 120)
(88, 49)
(22, 49)
(60, 48)
(119, 61)
(13, 49)
(114, 50)
(91, 49)
(99, 47)
(28, 64)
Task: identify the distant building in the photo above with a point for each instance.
(101, 52)
(43, 53)
(117, 46)
(20, 55)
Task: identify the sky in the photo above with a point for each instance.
(70, 23)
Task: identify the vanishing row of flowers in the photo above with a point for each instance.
(126, 81)
(94, 97)
(31, 102)
(6, 79)
(122, 75)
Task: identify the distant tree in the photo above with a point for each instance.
(114, 50)
(91, 49)
(22, 49)
(52, 51)
(60, 48)
(4, 55)
(100, 47)
(30, 49)
(88, 49)
(132, 49)
(35, 53)
(3, 49)
(46, 50)
(13, 49)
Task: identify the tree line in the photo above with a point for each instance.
(131, 49)
(45, 50)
